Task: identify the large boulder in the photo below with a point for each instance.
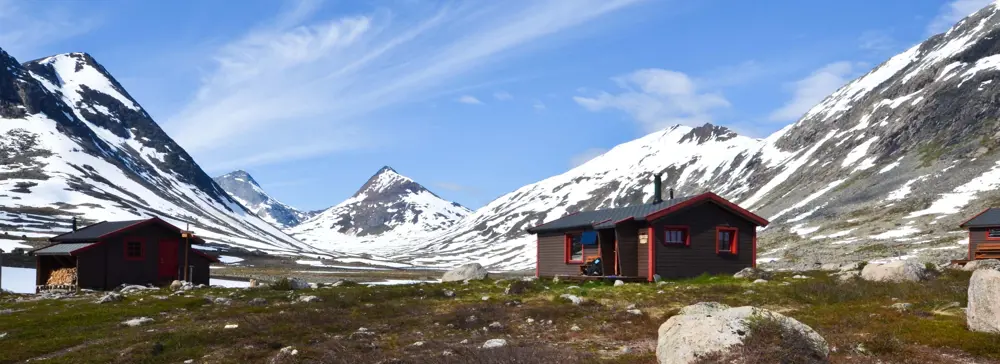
(710, 328)
(471, 271)
(298, 283)
(896, 271)
(984, 301)
(982, 264)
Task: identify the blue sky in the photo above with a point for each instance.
(473, 99)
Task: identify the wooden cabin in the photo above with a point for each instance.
(984, 235)
(673, 238)
(107, 254)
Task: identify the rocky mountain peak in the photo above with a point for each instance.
(704, 133)
(242, 187)
(387, 182)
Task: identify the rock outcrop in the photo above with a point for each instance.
(984, 301)
(471, 271)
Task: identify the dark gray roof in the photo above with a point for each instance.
(601, 219)
(990, 217)
(95, 231)
(61, 249)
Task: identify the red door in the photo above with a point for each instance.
(168, 260)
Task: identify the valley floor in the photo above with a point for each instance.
(426, 323)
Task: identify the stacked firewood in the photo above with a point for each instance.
(62, 276)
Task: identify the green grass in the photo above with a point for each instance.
(849, 315)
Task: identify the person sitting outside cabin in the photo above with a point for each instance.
(592, 257)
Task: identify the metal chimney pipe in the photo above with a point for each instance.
(657, 187)
(671, 193)
(74, 223)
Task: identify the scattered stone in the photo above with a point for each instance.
(575, 328)
(176, 285)
(297, 283)
(619, 282)
(573, 287)
(657, 278)
(555, 279)
(752, 273)
(572, 298)
(494, 343)
(901, 306)
(447, 353)
(189, 361)
(230, 326)
(284, 354)
(749, 292)
(223, 301)
(471, 271)
(896, 271)
(449, 293)
(418, 344)
(3, 335)
(799, 276)
(496, 325)
(361, 332)
(634, 312)
(625, 350)
(785, 283)
(710, 327)
(466, 341)
(983, 313)
(513, 303)
(660, 292)
(486, 298)
(309, 299)
(110, 297)
(760, 281)
(257, 302)
(135, 288)
(137, 321)
(530, 320)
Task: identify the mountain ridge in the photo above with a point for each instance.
(241, 186)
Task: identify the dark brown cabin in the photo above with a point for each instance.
(984, 235)
(111, 253)
(673, 238)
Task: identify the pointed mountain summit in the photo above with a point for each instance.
(76, 144)
(241, 186)
(388, 212)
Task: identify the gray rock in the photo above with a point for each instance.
(138, 321)
(710, 327)
(517, 287)
(983, 313)
(257, 302)
(619, 282)
(752, 273)
(448, 293)
(110, 297)
(902, 306)
(760, 281)
(308, 299)
(494, 343)
(572, 298)
(297, 283)
(471, 271)
(896, 271)
(982, 264)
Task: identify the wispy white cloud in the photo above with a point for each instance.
(502, 95)
(658, 98)
(453, 187)
(876, 41)
(295, 82)
(538, 105)
(809, 91)
(469, 99)
(24, 30)
(586, 156)
(954, 11)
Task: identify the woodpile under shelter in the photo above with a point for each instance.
(984, 235)
(108, 254)
(676, 237)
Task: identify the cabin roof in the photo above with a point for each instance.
(608, 218)
(103, 229)
(988, 218)
(61, 249)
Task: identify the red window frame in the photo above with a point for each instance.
(568, 241)
(142, 249)
(987, 233)
(685, 236)
(734, 240)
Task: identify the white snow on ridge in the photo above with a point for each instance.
(858, 152)
(951, 203)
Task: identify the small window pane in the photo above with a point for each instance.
(133, 249)
(575, 247)
(589, 238)
(995, 233)
(725, 241)
(674, 236)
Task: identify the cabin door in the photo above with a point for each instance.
(168, 260)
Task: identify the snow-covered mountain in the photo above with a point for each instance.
(245, 190)
(74, 143)
(389, 213)
(887, 167)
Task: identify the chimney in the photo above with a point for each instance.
(657, 185)
(74, 223)
(671, 193)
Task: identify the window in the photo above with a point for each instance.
(574, 247)
(133, 250)
(993, 234)
(726, 240)
(676, 235)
